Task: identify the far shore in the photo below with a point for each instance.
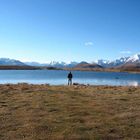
(75, 112)
(69, 69)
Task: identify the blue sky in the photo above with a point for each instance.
(69, 30)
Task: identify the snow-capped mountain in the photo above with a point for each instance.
(35, 64)
(71, 64)
(12, 62)
(53, 64)
(62, 64)
(133, 59)
(118, 62)
(57, 64)
(121, 61)
(108, 63)
(104, 63)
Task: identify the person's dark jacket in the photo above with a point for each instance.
(70, 75)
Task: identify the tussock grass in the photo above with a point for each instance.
(42, 112)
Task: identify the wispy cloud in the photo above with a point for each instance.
(89, 43)
(125, 52)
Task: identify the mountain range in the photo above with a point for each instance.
(118, 63)
(11, 62)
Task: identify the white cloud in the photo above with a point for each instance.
(89, 43)
(125, 52)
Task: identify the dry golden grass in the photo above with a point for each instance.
(42, 112)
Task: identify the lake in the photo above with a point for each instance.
(59, 77)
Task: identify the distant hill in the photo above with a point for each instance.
(129, 67)
(81, 64)
(87, 65)
(11, 62)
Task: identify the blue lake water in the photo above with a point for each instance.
(59, 77)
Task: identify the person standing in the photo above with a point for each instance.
(70, 78)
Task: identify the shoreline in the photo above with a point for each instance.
(65, 85)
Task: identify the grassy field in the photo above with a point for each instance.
(42, 112)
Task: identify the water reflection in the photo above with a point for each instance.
(60, 77)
